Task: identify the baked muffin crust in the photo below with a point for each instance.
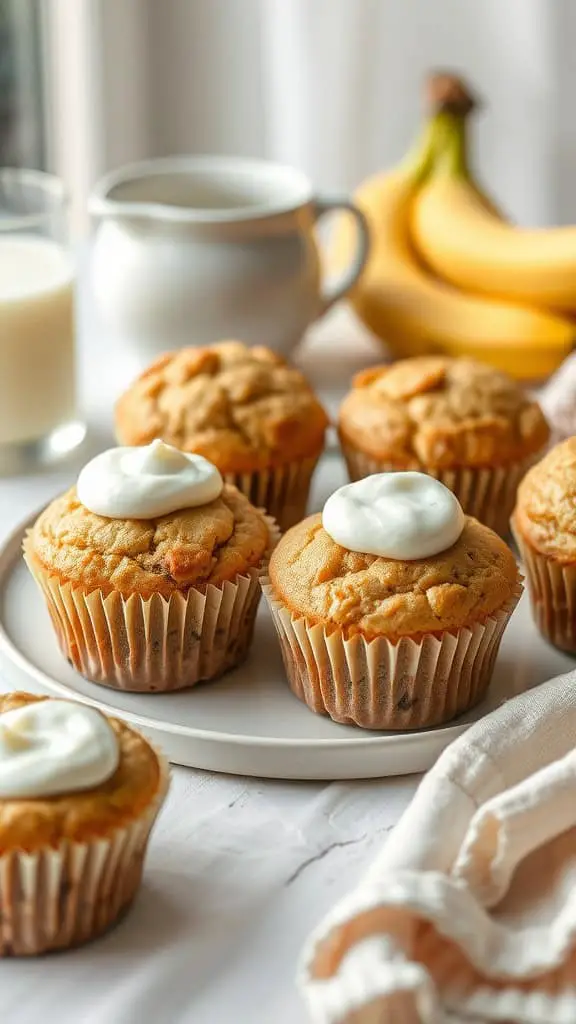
(327, 584)
(242, 408)
(191, 547)
(545, 512)
(439, 412)
(32, 824)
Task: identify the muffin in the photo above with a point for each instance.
(390, 606)
(464, 423)
(244, 409)
(150, 569)
(79, 793)
(544, 526)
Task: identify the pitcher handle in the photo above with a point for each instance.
(332, 293)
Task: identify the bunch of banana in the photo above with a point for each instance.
(446, 273)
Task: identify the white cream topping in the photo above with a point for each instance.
(146, 482)
(54, 747)
(395, 515)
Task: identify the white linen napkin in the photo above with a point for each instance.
(469, 912)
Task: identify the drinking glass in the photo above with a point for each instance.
(38, 413)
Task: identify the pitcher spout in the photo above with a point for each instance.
(121, 195)
(104, 205)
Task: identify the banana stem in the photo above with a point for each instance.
(451, 145)
(419, 159)
(440, 149)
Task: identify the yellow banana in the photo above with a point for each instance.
(414, 313)
(468, 244)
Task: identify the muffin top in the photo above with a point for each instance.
(545, 512)
(440, 413)
(242, 408)
(375, 596)
(28, 824)
(190, 547)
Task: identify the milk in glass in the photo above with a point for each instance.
(36, 338)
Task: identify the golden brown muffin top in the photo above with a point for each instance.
(242, 408)
(374, 596)
(191, 547)
(30, 824)
(545, 512)
(440, 413)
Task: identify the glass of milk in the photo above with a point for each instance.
(38, 417)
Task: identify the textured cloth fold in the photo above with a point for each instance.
(558, 400)
(469, 912)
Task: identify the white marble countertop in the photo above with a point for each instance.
(239, 870)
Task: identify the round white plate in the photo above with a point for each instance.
(248, 722)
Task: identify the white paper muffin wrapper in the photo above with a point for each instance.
(377, 684)
(552, 590)
(59, 897)
(487, 494)
(283, 491)
(158, 644)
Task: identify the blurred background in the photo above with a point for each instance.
(331, 86)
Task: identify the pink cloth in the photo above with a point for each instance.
(558, 400)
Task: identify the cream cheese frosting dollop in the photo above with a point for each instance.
(54, 747)
(147, 482)
(405, 516)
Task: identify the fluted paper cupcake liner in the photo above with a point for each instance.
(157, 644)
(552, 590)
(63, 896)
(487, 494)
(283, 491)
(377, 684)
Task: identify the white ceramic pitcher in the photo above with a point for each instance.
(190, 250)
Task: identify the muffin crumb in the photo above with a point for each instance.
(442, 413)
(544, 513)
(28, 824)
(374, 596)
(190, 547)
(245, 409)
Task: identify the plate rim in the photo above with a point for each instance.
(11, 549)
